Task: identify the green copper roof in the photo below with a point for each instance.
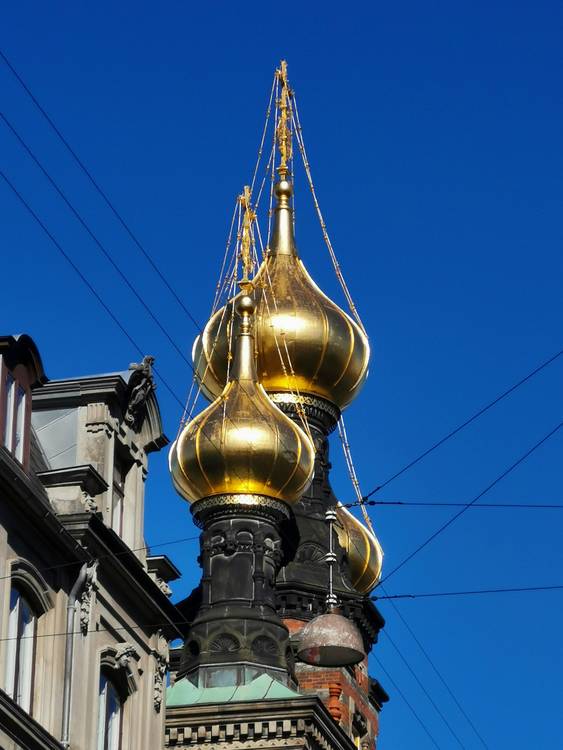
(185, 693)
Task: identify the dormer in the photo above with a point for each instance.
(95, 433)
(21, 370)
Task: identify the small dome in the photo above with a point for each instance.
(364, 553)
(242, 443)
(329, 352)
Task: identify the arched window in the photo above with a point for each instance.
(22, 633)
(110, 710)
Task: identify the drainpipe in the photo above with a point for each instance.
(69, 649)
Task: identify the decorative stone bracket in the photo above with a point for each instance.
(87, 596)
(162, 658)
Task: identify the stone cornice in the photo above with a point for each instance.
(125, 571)
(24, 730)
(79, 391)
(288, 723)
(24, 495)
(86, 477)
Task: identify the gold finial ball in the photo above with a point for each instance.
(283, 189)
(245, 305)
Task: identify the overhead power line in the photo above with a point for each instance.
(467, 422)
(407, 702)
(480, 506)
(85, 280)
(424, 690)
(489, 487)
(101, 192)
(439, 675)
(155, 318)
(474, 592)
(115, 555)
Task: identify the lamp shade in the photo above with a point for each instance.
(331, 640)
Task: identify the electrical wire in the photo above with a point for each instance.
(101, 192)
(409, 705)
(99, 244)
(467, 422)
(474, 592)
(114, 555)
(439, 675)
(424, 690)
(425, 504)
(489, 487)
(89, 286)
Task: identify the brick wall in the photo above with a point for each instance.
(345, 693)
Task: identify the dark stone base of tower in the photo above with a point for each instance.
(236, 634)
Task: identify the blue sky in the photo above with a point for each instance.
(434, 132)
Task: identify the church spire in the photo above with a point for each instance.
(283, 131)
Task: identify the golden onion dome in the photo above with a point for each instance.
(364, 553)
(328, 351)
(242, 444)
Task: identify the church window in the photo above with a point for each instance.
(22, 628)
(109, 715)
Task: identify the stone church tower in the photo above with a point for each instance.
(281, 624)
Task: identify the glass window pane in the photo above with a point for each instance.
(117, 514)
(20, 424)
(114, 718)
(102, 713)
(109, 716)
(9, 385)
(12, 644)
(25, 671)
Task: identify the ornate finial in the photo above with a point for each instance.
(283, 131)
(246, 240)
(245, 308)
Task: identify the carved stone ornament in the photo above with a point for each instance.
(164, 587)
(86, 598)
(123, 655)
(224, 644)
(161, 655)
(90, 505)
(98, 419)
(309, 552)
(141, 385)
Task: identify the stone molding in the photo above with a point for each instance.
(298, 723)
(238, 505)
(21, 728)
(24, 574)
(316, 409)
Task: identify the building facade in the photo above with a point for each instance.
(85, 613)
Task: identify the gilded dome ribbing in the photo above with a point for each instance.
(328, 351)
(242, 443)
(363, 551)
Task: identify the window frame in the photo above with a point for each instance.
(106, 684)
(10, 412)
(16, 650)
(121, 468)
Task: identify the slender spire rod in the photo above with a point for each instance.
(246, 238)
(283, 132)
